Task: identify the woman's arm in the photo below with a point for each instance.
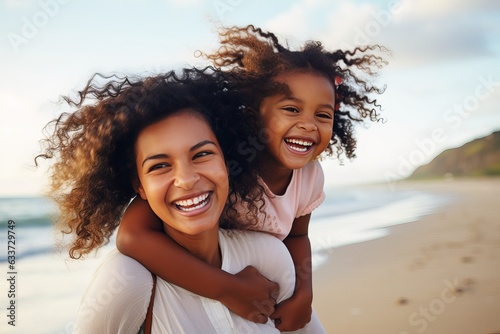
(295, 312)
(141, 237)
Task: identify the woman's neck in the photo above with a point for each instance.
(204, 246)
(209, 254)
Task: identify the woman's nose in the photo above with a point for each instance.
(185, 177)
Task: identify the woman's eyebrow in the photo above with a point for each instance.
(202, 143)
(155, 157)
(165, 156)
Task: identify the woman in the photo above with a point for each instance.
(164, 139)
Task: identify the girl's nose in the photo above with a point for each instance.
(185, 177)
(307, 124)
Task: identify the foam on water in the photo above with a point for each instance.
(366, 221)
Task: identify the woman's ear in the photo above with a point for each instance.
(138, 189)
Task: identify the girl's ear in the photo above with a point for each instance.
(138, 189)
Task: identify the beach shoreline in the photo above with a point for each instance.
(436, 271)
(440, 274)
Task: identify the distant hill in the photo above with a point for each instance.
(480, 157)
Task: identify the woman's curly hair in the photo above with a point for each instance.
(256, 57)
(91, 179)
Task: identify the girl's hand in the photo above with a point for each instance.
(292, 314)
(253, 297)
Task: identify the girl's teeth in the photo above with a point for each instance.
(299, 145)
(300, 149)
(299, 142)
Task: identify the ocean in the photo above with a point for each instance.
(45, 286)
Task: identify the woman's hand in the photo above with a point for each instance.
(252, 296)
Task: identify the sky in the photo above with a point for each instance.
(442, 81)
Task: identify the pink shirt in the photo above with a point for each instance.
(303, 195)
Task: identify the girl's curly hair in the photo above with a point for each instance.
(91, 179)
(256, 57)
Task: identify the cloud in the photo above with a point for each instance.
(426, 41)
(16, 4)
(301, 21)
(450, 7)
(186, 3)
(426, 31)
(423, 31)
(441, 32)
(292, 22)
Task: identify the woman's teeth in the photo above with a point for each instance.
(192, 203)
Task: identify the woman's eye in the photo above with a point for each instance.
(202, 154)
(157, 166)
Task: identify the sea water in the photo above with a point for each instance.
(49, 285)
(356, 214)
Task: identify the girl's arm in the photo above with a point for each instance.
(141, 237)
(295, 312)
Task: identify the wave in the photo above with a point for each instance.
(358, 199)
(32, 252)
(26, 211)
(347, 216)
(42, 221)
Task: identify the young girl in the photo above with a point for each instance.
(306, 102)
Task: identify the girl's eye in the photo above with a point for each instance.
(291, 109)
(325, 115)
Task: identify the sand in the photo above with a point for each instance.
(439, 275)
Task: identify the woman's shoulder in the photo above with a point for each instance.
(261, 250)
(251, 238)
(115, 260)
(118, 282)
(119, 273)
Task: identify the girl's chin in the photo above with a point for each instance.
(296, 161)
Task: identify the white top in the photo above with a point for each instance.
(119, 292)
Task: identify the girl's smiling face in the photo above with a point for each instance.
(300, 124)
(182, 174)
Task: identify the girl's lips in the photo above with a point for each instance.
(300, 146)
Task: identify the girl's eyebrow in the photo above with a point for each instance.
(165, 156)
(292, 98)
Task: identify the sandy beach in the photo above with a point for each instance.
(439, 275)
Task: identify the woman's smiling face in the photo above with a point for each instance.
(182, 174)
